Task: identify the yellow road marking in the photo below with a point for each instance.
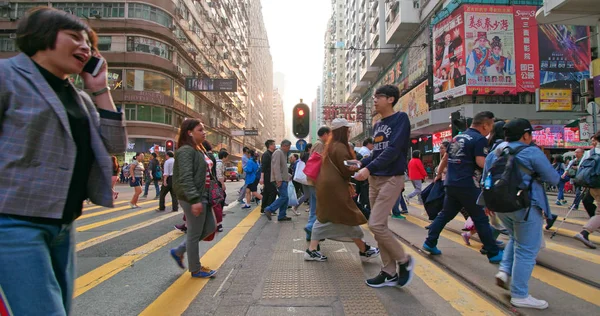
(177, 298)
(108, 236)
(91, 279)
(115, 219)
(578, 289)
(100, 206)
(112, 210)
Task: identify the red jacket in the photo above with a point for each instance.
(416, 170)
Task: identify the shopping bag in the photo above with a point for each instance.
(292, 198)
(313, 166)
(299, 175)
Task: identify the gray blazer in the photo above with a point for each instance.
(37, 151)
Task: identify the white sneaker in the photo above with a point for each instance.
(529, 302)
(502, 280)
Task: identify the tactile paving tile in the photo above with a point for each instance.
(290, 277)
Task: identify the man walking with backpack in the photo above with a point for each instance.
(522, 183)
(465, 160)
(587, 163)
(155, 175)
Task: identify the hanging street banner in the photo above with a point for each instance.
(526, 48)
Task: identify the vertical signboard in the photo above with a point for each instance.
(526, 48)
(414, 103)
(490, 49)
(449, 56)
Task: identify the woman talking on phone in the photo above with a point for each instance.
(191, 182)
(55, 142)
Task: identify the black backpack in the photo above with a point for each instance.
(506, 193)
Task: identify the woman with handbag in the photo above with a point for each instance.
(337, 214)
(191, 182)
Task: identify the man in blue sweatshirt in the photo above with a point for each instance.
(385, 169)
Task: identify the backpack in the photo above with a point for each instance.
(505, 192)
(588, 174)
(126, 171)
(157, 174)
(572, 172)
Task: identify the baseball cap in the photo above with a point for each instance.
(517, 128)
(340, 122)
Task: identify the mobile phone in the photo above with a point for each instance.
(93, 66)
(351, 164)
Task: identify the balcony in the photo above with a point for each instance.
(360, 87)
(381, 55)
(401, 20)
(571, 12)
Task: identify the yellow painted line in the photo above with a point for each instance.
(115, 219)
(112, 210)
(578, 289)
(108, 236)
(579, 254)
(177, 298)
(100, 206)
(91, 279)
(463, 299)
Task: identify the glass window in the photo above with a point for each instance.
(148, 45)
(143, 80)
(179, 93)
(191, 101)
(178, 120)
(22, 8)
(104, 43)
(87, 9)
(115, 79)
(7, 45)
(144, 113)
(168, 117)
(150, 13)
(131, 112)
(158, 115)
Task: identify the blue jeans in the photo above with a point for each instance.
(561, 191)
(577, 196)
(312, 215)
(155, 185)
(457, 198)
(282, 201)
(395, 210)
(522, 248)
(37, 267)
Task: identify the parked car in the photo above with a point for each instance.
(231, 173)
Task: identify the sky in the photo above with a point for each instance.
(296, 30)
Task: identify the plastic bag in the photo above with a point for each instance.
(299, 175)
(292, 198)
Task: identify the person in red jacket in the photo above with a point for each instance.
(417, 175)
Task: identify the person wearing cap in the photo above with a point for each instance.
(385, 168)
(524, 226)
(337, 214)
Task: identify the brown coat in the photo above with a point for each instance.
(334, 203)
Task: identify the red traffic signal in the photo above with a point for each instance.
(301, 120)
(300, 112)
(169, 145)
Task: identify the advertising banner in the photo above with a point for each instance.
(558, 136)
(555, 100)
(490, 49)
(414, 103)
(526, 48)
(449, 56)
(208, 84)
(439, 138)
(564, 56)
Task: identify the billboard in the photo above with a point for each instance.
(439, 138)
(555, 100)
(208, 84)
(564, 57)
(490, 49)
(526, 48)
(449, 56)
(414, 103)
(558, 136)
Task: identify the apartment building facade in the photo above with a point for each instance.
(278, 113)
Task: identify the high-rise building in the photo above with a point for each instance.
(278, 117)
(279, 82)
(151, 47)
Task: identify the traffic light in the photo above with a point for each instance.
(456, 123)
(169, 145)
(301, 120)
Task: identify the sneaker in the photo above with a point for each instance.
(144, 196)
(383, 279)
(177, 258)
(497, 258)
(502, 280)
(403, 211)
(558, 203)
(133, 206)
(398, 217)
(181, 228)
(295, 210)
(220, 228)
(314, 255)
(529, 302)
(466, 238)
(370, 254)
(246, 206)
(205, 272)
(585, 241)
(432, 250)
(268, 214)
(406, 272)
(284, 219)
(550, 221)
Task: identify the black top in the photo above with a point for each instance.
(266, 166)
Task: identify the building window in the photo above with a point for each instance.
(179, 93)
(131, 112)
(93, 9)
(148, 45)
(168, 117)
(22, 8)
(191, 101)
(7, 45)
(104, 43)
(150, 13)
(144, 113)
(144, 80)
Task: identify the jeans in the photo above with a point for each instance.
(577, 196)
(163, 193)
(37, 267)
(198, 228)
(418, 184)
(312, 215)
(282, 202)
(305, 194)
(400, 201)
(457, 198)
(522, 248)
(561, 191)
(155, 185)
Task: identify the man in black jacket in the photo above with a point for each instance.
(153, 171)
(269, 191)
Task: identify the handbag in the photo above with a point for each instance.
(313, 166)
(299, 175)
(351, 189)
(216, 195)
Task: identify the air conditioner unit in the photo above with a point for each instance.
(94, 14)
(13, 35)
(416, 4)
(183, 39)
(584, 86)
(180, 70)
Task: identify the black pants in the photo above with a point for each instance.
(163, 194)
(588, 204)
(269, 195)
(362, 191)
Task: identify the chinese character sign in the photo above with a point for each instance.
(526, 48)
(564, 57)
(414, 103)
(439, 138)
(449, 56)
(490, 49)
(555, 99)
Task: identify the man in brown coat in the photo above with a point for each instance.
(281, 177)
